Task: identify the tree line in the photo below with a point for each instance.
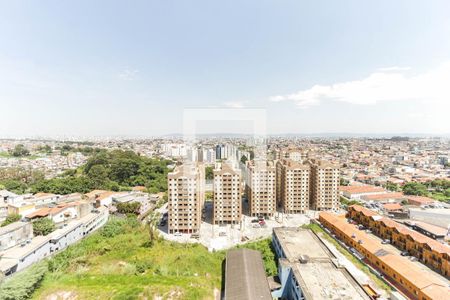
(115, 170)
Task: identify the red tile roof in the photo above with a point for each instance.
(431, 285)
(50, 211)
(361, 189)
(403, 229)
(386, 196)
(392, 206)
(420, 199)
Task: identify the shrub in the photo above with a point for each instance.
(267, 252)
(128, 208)
(11, 219)
(117, 226)
(22, 285)
(43, 226)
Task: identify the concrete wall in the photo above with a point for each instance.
(15, 236)
(436, 218)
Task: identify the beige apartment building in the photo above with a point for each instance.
(261, 188)
(186, 198)
(292, 180)
(227, 194)
(324, 185)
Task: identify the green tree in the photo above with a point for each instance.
(343, 181)
(152, 228)
(128, 208)
(415, 188)
(123, 169)
(244, 159)
(20, 151)
(392, 186)
(209, 173)
(65, 149)
(11, 219)
(447, 193)
(98, 175)
(45, 149)
(43, 226)
(15, 186)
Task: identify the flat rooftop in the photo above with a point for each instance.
(12, 227)
(19, 252)
(297, 242)
(437, 230)
(322, 280)
(321, 277)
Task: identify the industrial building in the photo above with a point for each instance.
(308, 270)
(245, 277)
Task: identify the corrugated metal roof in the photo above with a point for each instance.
(245, 277)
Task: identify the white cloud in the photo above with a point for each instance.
(234, 104)
(392, 84)
(128, 74)
(394, 69)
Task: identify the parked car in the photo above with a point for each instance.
(385, 242)
(222, 234)
(254, 221)
(256, 226)
(177, 234)
(404, 253)
(195, 236)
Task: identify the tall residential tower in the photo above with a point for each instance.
(324, 185)
(227, 194)
(261, 188)
(186, 198)
(293, 179)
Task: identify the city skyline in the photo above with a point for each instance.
(106, 69)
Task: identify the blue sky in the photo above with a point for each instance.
(99, 68)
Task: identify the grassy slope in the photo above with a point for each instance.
(122, 267)
(5, 154)
(439, 196)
